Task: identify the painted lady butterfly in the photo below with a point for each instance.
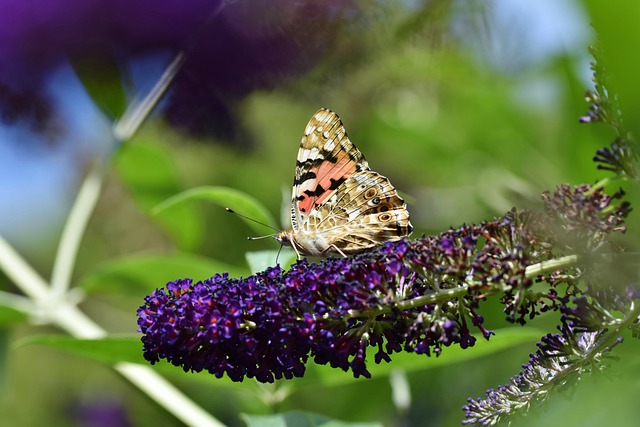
(339, 205)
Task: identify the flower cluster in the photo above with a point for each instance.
(621, 157)
(584, 216)
(267, 325)
(588, 333)
(603, 105)
(594, 310)
(559, 360)
(223, 325)
(416, 296)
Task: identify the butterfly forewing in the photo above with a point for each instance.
(325, 160)
(339, 205)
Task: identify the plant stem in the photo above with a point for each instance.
(74, 229)
(21, 273)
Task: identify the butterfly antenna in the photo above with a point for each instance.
(260, 237)
(253, 220)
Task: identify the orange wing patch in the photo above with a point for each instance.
(314, 192)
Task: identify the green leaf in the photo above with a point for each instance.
(149, 272)
(300, 419)
(240, 202)
(260, 260)
(5, 338)
(151, 176)
(102, 79)
(11, 316)
(109, 350)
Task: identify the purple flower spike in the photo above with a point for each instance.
(417, 296)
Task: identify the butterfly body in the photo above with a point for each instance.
(339, 205)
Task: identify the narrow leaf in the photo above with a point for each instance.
(148, 272)
(109, 350)
(240, 202)
(300, 419)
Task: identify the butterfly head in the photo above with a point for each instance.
(285, 237)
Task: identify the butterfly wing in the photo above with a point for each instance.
(326, 159)
(363, 212)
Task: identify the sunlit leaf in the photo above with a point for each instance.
(300, 419)
(150, 175)
(10, 316)
(240, 202)
(260, 260)
(106, 350)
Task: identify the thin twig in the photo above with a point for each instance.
(21, 273)
(74, 229)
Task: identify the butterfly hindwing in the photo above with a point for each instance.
(363, 212)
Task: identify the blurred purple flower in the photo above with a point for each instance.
(232, 48)
(100, 413)
(37, 35)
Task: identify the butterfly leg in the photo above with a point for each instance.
(338, 250)
(293, 245)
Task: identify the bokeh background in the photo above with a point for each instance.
(468, 107)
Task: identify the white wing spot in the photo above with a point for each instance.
(325, 135)
(309, 130)
(329, 145)
(314, 153)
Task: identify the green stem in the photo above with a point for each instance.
(74, 229)
(551, 265)
(606, 181)
(21, 273)
(54, 303)
(445, 294)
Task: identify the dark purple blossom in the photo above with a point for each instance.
(267, 325)
(621, 157)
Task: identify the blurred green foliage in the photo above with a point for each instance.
(463, 141)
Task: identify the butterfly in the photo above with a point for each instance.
(338, 204)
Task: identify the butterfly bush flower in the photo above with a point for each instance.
(597, 306)
(416, 296)
(588, 333)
